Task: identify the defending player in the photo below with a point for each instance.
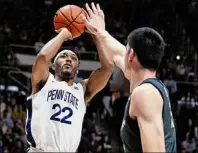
(57, 105)
(148, 124)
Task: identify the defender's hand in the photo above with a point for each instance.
(65, 33)
(94, 21)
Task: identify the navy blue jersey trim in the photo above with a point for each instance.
(28, 124)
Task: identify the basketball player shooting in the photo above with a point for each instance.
(57, 104)
(148, 124)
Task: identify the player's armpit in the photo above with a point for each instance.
(96, 82)
(146, 106)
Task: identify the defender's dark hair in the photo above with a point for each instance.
(149, 47)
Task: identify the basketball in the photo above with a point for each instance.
(69, 17)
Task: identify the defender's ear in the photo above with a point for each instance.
(53, 66)
(131, 55)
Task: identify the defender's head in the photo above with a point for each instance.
(66, 65)
(145, 49)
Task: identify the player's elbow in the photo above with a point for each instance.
(41, 63)
(42, 57)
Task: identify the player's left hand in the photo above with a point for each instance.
(94, 21)
(66, 33)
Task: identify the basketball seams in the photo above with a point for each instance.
(60, 14)
(74, 19)
(70, 22)
(65, 17)
(61, 23)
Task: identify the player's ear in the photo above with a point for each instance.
(77, 71)
(53, 66)
(131, 55)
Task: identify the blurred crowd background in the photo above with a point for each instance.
(25, 26)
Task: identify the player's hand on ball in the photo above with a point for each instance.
(94, 21)
(66, 33)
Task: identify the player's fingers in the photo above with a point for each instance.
(69, 34)
(90, 27)
(85, 20)
(98, 7)
(102, 14)
(87, 31)
(88, 24)
(94, 8)
(90, 12)
(71, 38)
(59, 30)
(86, 15)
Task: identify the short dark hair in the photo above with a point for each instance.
(148, 45)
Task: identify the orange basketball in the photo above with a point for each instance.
(69, 17)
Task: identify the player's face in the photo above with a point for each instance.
(67, 65)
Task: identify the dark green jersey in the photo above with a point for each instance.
(130, 133)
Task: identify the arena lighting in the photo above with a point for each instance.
(178, 57)
(9, 88)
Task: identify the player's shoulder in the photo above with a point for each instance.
(146, 95)
(144, 90)
(78, 85)
(51, 77)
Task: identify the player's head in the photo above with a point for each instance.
(66, 65)
(145, 49)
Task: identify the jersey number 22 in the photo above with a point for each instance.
(65, 120)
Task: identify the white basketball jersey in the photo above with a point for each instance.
(55, 116)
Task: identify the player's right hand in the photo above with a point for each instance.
(94, 21)
(65, 32)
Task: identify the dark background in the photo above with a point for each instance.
(29, 23)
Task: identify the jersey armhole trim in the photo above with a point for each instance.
(160, 91)
(46, 83)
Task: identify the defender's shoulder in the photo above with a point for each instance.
(144, 90)
(146, 98)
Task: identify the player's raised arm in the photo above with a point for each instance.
(147, 104)
(116, 50)
(40, 69)
(99, 78)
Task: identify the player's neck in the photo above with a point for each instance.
(69, 81)
(139, 76)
